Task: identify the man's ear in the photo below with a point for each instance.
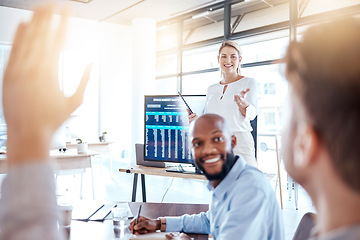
(306, 146)
(233, 141)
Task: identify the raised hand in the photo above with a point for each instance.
(241, 101)
(34, 106)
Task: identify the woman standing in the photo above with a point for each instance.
(235, 99)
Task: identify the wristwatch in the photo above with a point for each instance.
(162, 224)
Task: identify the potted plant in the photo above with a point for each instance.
(104, 136)
(82, 147)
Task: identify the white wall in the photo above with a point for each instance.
(107, 104)
(116, 85)
(143, 69)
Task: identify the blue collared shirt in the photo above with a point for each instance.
(243, 206)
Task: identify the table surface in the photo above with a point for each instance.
(71, 153)
(71, 145)
(160, 172)
(55, 154)
(68, 160)
(104, 230)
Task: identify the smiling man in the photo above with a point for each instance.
(243, 204)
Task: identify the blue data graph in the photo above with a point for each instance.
(167, 125)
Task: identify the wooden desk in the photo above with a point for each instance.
(72, 160)
(63, 161)
(136, 169)
(104, 230)
(101, 147)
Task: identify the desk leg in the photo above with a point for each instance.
(92, 182)
(81, 185)
(110, 162)
(133, 198)
(143, 187)
(111, 168)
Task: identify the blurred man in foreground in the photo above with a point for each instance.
(243, 204)
(321, 140)
(34, 107)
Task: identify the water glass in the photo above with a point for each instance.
(120, 216)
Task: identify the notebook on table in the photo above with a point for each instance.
(95, 211)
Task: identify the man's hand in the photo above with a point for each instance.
(178, 236)
(145, 225)
(192, 116)
(34, 106)
(241, 101)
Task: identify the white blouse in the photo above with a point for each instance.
(225, 106)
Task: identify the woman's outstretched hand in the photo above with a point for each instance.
(241, 101)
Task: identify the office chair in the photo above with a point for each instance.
(253, 124)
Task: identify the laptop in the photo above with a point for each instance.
(139, 151)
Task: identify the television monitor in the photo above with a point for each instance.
(167, 125)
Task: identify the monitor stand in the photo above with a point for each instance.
(184, 169)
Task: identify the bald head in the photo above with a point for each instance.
(209, 119)
(210, 123)
(212, 144)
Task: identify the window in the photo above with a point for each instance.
(269, 119)
(200, 58)
(273, 90)
(164, 86)
(269, 88)
(166, 65)
(263, 51)
(198, 83)
(167, 36)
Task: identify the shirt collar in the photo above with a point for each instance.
(230, 178)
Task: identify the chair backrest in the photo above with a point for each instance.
(304, 228)
(253, 124)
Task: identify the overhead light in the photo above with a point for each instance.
(202, 14)
(82, 1)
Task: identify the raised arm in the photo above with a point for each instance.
(34, 107)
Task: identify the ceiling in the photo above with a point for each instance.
(120, 11)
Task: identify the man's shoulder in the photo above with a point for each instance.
(251, 178)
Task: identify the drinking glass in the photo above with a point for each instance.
(120, 216)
